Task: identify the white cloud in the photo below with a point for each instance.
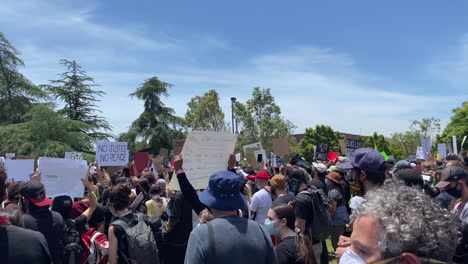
(452, 65)
(313, 85)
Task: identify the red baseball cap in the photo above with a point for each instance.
(34, 191)
(251, 177)
(262, 175)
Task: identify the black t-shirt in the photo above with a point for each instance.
(284, 199)
(51, 225)
(286, 251)
(304, 208)
(320, 184)
(22, 246)
(181, 214)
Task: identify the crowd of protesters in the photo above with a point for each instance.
(372, 211)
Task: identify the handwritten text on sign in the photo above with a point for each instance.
(322, 150)
(205, 153)
(112, 153)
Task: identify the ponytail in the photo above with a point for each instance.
(305, 253)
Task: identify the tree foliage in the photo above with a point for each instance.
(204, 113)
(458, 126)
(17, 94)
(427, 127)
(157, 125)
(260, 119)
(47, 133)
(321, 133)
(76, 90)
(378, 142)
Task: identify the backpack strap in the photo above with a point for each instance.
(212, 244)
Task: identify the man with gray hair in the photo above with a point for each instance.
(400, 224)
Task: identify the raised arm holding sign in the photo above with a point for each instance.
(204, 154)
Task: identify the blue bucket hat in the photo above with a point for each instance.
(223, 192)
(368, 160)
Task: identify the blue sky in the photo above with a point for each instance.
(351, 64)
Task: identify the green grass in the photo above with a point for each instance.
(331, 258)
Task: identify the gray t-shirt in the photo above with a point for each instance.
(236, 239)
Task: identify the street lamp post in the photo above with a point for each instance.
(233, 103)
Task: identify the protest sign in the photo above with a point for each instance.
(419, 153)
(332, 156)
(280, 146)
(2, 161)
(63, 176)
(352, 145)
(426, 146)
(454, 142)
(74, 155)
(257, 145)
(450, 149)
(112, 153)
(204, 154)
(238, 157)
(273, 161)
(322, 151)
(163, 152)
(141, 160)
(463, 142)
(384, 155)
(10, 156)
(442, 149)
(250, 156)
(261, 158)
(342, 143)
(19, 170)
(177, 145)
(158, 161)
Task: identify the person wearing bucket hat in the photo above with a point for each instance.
(261, 200)
(228, 241)
(38, 217)
(338, 211)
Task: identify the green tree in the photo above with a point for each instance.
(204, 113)
(76, 90)
(157, 125)
(321, 133)
(404, 143)
(260, 119)
(458, 126)
(17, 94)
(427, 127)
(378, 142)
(46, 133)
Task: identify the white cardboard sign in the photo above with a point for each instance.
(74, 155)
(19, 170)
(112, 153)
(63, 176)
(205, 153)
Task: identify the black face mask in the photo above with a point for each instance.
(454, 192)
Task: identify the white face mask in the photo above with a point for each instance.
(349, 257)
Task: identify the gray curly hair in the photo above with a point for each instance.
(411, 223)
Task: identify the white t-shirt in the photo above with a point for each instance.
(356, 201)
(261, 203)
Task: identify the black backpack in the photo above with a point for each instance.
(320, 227)
(141, 242)
(71, 242)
